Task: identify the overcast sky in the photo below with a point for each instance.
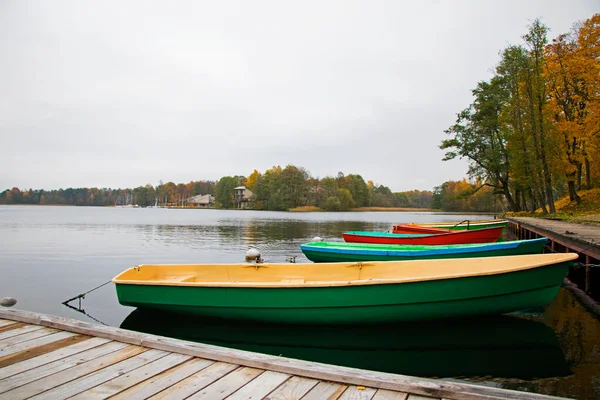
(125, 93)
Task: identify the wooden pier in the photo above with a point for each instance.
(566, 237)
(48, 357)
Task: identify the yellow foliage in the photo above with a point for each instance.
(251, 180)
(305, 209)
(590, 203)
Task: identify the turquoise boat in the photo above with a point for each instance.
(350, 292)
(343, 251)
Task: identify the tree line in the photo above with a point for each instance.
(280, 189)
(168, 194)
(276, 189)
(532, 132)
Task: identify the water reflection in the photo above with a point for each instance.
(500, 346)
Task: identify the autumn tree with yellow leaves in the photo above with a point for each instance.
(533, 131)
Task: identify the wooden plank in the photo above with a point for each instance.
(333, 373)
(6, 322)
(33, 374)
(358, 393)
(293, 388)
(4, 343)
(163, 381)
(228, 384)
(70, 374)
(19, 331)
(196, 382)
(39, 350)
(105, 374)
(582, 238)
(133, 377)
(52, 352)
(389, 395)
(325, 391)
(261, 386)
(17, 348)
(419, 397)
(14, 325)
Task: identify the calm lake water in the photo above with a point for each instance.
(51, 254)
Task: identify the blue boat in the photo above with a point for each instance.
(343, 251)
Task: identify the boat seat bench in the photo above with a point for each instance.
(181, 278)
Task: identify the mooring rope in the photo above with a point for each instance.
(575, 264)
(82, 296)
(81, 310)
(581, 265)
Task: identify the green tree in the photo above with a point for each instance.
(536, 41)
(224, 192)
(477, 136)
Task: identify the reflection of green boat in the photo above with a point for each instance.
(342, 251)
(362, 292)
(500, 346)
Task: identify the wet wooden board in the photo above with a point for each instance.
(5, 322)
(10, 351)
(13, 325)
(74, 359)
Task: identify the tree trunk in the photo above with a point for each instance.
(573, 196)
(511, 202)
(541, 201)
(538, 181)
(588, 174)
(545, 168)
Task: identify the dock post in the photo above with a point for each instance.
(588, 275)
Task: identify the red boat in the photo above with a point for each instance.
(486, 235)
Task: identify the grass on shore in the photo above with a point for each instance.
(587, 211)
(359, 209)
(305, 209)
(403, 209)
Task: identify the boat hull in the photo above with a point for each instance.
(408, 301)
(340, 251)
(487, 235)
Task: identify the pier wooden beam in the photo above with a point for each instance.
(319, 376)
(584, 239)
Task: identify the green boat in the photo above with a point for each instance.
(343, 251)
(460, 225)
(362, 292)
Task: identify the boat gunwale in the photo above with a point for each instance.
(292, 283)
(409, 236)
(452, 224)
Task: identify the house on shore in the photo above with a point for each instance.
(201, 201)
(241, 197)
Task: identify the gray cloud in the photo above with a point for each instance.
(120, 94)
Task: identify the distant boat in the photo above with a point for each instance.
(485, 235)
(155, 204)
(128, 202)
(455, 226)
(348, 293)
(342, 251)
